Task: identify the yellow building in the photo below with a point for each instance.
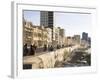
(49, 36)
(27, 33)
(76, 39)
(62, 36)
(68, 41)
(55, 36)
(38, 35)
(58, 36)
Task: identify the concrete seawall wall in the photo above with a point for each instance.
(47, 60)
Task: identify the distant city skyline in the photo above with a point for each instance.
(73, 23)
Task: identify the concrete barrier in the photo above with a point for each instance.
(48, 59)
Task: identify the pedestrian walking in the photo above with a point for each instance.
(45, 47)
(32, 50)
(25, 50)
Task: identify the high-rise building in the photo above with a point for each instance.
(89, 40)
(46, 19)
(85, 36)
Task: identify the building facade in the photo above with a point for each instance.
(38, 35)
(69, 41)
(46, 19)
(58, 36)
(86, 41)
(85, 36)
(41, 36)
(89, 40)
(62, 36)
(27, 33)
(76, 39)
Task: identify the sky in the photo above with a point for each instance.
(33, 16)
(73, 23)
